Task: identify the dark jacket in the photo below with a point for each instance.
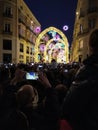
(47, 116)
(81, 103)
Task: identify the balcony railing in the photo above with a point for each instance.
(7, 32)
(21, 21)
(21, 36)
(8, 15)
(92, 10)
(85, 31)
(28, 40)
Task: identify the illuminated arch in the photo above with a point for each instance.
(60, 40)
(64, 40)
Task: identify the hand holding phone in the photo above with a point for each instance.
(31, 75)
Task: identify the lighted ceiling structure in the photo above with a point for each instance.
(58, 38)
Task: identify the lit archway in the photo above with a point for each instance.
(64, 54)
(62, 39)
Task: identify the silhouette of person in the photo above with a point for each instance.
(80, 107)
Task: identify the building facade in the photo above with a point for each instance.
(86, 20)
(17, 32)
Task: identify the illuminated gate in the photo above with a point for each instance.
(51, 44)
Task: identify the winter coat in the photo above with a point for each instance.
(80, 106)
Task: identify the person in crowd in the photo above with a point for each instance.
(53, 64)
(61, 91)
(27, 95)
(80, 106)
(19, 76)
(43, 117)
(4, 74)
(17, 81)
(11, 118)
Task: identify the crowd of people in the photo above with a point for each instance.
(63, 97)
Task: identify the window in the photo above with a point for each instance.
(92, 3)
(80, 58)
(27, 50)
(31, 51)
(21, 57)
(7, 44)
(92, 6)
(31, 59)
(7, 28)
(31, 39)
(92, 23)
(81, 28)
(81, 12)
(27, 59)
(31, 27)
(21, 47)
(7, 58)
(81, 44)
(8, 11)
(22, 30)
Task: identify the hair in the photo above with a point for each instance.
(93, 41)
(26, 94)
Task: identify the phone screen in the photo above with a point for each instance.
(66, 70)
(40, 68)
(32, 75)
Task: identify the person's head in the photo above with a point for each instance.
(53, 64)
(93, 42)
(27, 95)
(53, 60)
(62, 91)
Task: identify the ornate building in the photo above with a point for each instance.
(86, 20)
(18, 32)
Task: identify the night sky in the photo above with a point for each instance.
(56, 13)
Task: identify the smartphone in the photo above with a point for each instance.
(40, 68)
(31, 75)
(66, 70)
(6, 66)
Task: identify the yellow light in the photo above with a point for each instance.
(63, 40)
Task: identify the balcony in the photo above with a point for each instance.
(7, 32)
(92, 10)
(21, 50)
(8, 15)
(21, 36)
(28, 40)
(31, 30)
(85, 31)
(22, 21)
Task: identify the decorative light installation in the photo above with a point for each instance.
(53, 33)
(42, 47)
(37, 29)
(51, 45)
(56, 38)
(65, 27)
(46, 38)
